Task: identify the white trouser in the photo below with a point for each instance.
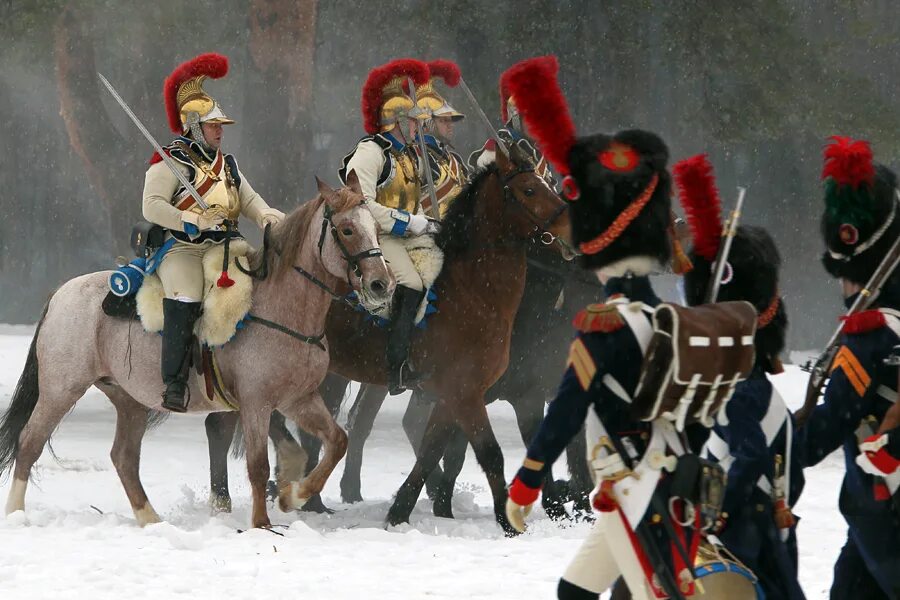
(605, 554)
(398, 260)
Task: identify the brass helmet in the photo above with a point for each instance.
(187, 104)
(432, 104)
(384, 97)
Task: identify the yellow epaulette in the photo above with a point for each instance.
(603, 318)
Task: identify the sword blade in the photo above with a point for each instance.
(423, 150)
(484, 118)
(165, 157)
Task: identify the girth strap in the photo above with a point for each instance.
(309, 339)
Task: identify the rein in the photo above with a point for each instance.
(353, 268)
(542, 232)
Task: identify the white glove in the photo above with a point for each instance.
(418, 224)
(270, 216)
(516, 514)
(207, 221)
(433, 227)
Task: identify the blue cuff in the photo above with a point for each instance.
(400, 225)
(191, 229)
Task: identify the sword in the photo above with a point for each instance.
(165, 157)
(423, 149)
(484, 118)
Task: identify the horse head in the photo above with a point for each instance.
(535, 210)
(348, 244)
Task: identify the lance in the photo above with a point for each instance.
(165, 157)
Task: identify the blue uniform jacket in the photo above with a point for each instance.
(861, 387)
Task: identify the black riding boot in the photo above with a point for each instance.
(403, 315)
(178, 332)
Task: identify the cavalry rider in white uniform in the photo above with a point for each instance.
(449, 171)
(198, 121)
(388, 169)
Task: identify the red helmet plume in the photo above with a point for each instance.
(378, 78)
(848, 161)
(542, 106)
(446, 70)
(211, 64)
(702, 206)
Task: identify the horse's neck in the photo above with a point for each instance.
(293, 300)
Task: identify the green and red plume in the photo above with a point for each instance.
(702, 206)
(849, 174)
(543, 107)
(210, 64)
(446, 70)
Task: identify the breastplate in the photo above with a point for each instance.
(450, 180)
(215, 184)
(401, 189)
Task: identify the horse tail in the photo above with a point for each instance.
(24, 399)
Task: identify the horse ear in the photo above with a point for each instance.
(324, 188)
(503, 161)
(353, 182)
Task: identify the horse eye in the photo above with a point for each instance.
(347, 231)
(529, 192)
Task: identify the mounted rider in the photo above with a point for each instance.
(197, 119)
(513, 132)
(449, 172)
(389, 172)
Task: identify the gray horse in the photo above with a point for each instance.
(76, 345)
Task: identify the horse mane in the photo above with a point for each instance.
(287, 237)
(458, 225)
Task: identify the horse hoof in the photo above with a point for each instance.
(443, 510)
(293, 497)
(315, 505)
(219, 504)
(351, 497)
(394, 517)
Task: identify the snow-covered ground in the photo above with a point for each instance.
(80, 539)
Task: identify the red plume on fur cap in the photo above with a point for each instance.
(378, 78)
(848, 161)
(446, 70)
(542, 106)
(211, 64)
(700, 200)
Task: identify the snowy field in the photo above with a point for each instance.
(80, 540)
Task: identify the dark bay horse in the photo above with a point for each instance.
(555, 289)
(76, 346)
(465, 348)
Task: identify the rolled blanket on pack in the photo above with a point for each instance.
(127, 279)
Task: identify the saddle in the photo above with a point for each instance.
(428, 261)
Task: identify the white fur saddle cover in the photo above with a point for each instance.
(428, 260)
(223, 308)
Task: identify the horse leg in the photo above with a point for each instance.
(415, 418)
(437, 432)
(220, 429)
(454, 458)
(580, 483)
(55, 401)
(332, 389)
(312, 415)
(359, 425)
(471, 415)
(529, 411)
(255, 423)
(131, 424)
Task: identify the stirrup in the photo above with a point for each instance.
(177, 407)
(407, 380)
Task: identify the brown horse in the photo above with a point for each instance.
(465, 347)
(269, 365)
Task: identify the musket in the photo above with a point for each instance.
(484, 118)
(818, 371)
(165, 157)
(728, 233)
(423, 150)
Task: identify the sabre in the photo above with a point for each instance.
(423, 149)
(480, 112)
(165, 157)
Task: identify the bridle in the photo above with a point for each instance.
(541, 233)
(353, 268)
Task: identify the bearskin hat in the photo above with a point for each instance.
(751, 272)
(617, 185)
(860, 222)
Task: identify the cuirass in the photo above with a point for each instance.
(450, 180)
(215, 185)
(401, 189)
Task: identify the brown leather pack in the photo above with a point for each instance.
(695, 358)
